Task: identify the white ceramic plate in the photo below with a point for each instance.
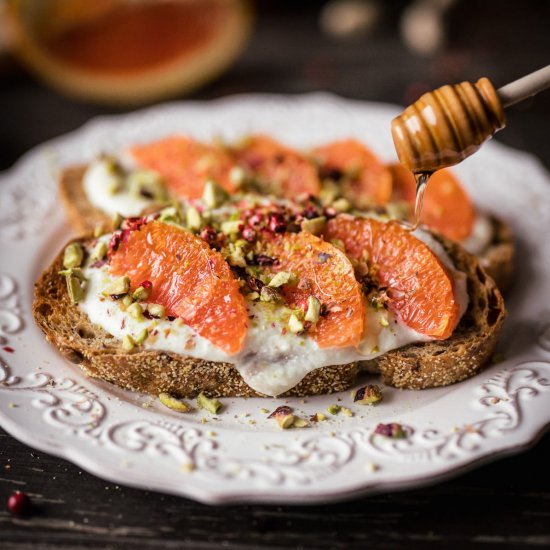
(240, 456)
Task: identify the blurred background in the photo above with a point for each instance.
(65, 61)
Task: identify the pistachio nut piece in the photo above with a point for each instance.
(73, 255)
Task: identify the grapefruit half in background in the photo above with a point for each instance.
(125, 52)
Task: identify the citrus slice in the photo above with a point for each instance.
(365, 180)
(419, 288)
(326, 273)
(186, 164)
(189, 279)
(120, 52)
(447, 208)
(281, 170)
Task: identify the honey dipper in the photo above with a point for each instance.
(450, 123)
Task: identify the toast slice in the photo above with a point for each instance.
(415, 366)
(497, 258)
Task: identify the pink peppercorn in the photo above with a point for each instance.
(249, 234)
(19, 503)
(276, 223)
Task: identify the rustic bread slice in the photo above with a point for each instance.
(101, 355)
(497, 259)
(414, 366)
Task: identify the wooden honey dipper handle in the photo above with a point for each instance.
(447, 125)
(525, 87)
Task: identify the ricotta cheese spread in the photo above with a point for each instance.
(99, 182)
(272, 360)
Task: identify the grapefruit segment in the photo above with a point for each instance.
(189, 279)
(282, 170)
(186, 164)
(366, 181)
(447, 208)
(326, 273)
(419, 288)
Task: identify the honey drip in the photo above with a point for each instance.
(422, 179)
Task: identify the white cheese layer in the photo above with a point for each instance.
(98, 183)
(272, 360)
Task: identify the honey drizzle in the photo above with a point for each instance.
(422, 179)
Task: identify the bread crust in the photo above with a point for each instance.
(83, 216)
(415, 366)
(497, 258)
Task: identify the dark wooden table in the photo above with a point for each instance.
(506, 503)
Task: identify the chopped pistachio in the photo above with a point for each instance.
(211, 405)
(367, 395)
(127, 301)
(73, 256)
(135, 310)
(173, 403)
(156, 310)
(294, 324)
(98, 230)
(75, 271)
(347, 412)
(120, 285)
(114, 179)
(117, 221)
(263, 410)
(253, 296)
(76, 287)
(384, 322)
(236, 255)
(341, 205)
(299, 423)
(333, 409)
(237, 176)
(314, 225)
(128, 343)
(146, 184)
(214, 195)
(269, 294)
(171, 215)
(372, 467)
(329, 192)
(313, 309)
(285, 421)
(231, 227)
(321, 417)
(141, 293)
(282, 278)
(393, 430)
(284, 417)
(141, 336)
(100, 251)
(193, 218)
